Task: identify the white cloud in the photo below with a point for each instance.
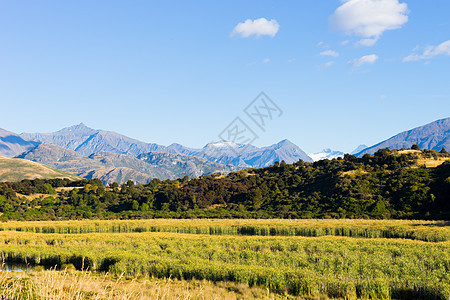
(430, 52)
(291, 60)
(329, 53)
(266, 60)
(367, 59)
(258, 27)
(343, 43)
(368, 19)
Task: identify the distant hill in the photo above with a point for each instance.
(110, 167)
(117, 160)
(246, 156)
(433, 136)
(62, 159)
(15, 169)
(181, 165)
(12, 144)
(87, 141)
(120, 175)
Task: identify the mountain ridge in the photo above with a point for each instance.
(12, 144)
(432, 136)
(87, 141)
(104, 165)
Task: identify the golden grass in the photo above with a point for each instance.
(65, 285)
(408, 151)
(34, 196)
(429, 231)
(353, 173)
(421, 161)
(430, 162)
(268, 255)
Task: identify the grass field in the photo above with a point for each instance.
(350, 259)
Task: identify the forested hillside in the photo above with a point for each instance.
(389, 184)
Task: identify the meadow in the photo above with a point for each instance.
(368, 259)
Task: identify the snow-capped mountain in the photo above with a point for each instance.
(88, 141)
(326, 154)
(246, 156)
(330, 154)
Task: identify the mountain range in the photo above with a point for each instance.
(246, 156)
(87, 141)
(110, 156)
(110, 167)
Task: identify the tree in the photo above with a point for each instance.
(130, 183)
(49, 189)
(255, 199)
(443, 151)
(135, 205)
(415, 147)
(145, 207)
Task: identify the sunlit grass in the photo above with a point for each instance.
(53, 284)
(268, 254)
(434, 231)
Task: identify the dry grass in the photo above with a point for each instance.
(422, 160)
(69, 188)
(35, 196)
(408, 151)
(86, 285)
(353, 173)
(430, 162)
(15, 169)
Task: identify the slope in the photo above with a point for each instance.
(15, 169)
(12, 144)
(432, 136)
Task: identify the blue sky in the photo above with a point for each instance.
(181, 71)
